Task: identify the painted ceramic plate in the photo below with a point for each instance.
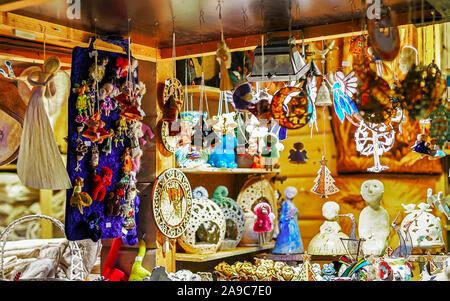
(172, 202)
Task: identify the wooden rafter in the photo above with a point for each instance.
(64, 36)
(20, 4)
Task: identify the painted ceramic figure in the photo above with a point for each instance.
(373, 219)
(289, 240)
(328, 240)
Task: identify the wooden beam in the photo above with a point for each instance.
(312, 33)
(15, 5)
(60, 35)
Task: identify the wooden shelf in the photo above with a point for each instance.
(214, 170)
(221, 254)
(8, 167)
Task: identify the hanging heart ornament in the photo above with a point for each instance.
(290, 107)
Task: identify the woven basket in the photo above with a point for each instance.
(76, 268)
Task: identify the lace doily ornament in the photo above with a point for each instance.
(425, 228)
(206, 229)
(255, 190)
(234, 218)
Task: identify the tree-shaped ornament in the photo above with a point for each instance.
(374, 139)
(324, 181)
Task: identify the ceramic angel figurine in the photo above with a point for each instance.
(328, 240)
(289, 240)
(373, 219)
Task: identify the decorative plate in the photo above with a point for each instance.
(172, 202)
(172, 86)
(170, 142)
(292, 114)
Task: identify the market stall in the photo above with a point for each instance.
(224, 140)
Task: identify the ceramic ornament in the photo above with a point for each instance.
(374, 139)
(439, 201)
(374, 225)
(324, 181)
(425, 230)
(328, 240)
(289, 240)
(206, 229)
(263, 221)
(234, 218)
(172, 202)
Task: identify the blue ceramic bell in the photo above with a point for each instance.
(289, 240)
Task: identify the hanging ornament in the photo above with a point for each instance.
(374, 139)
(421, 91)
(290, 107)
(357, 45)
(386, 46)
(223, 57)
(324, 181)
(311, 89)
(298, 154)
(343, 89)
(374, 98)
(242, 96)
(440, 125)
(323, 96)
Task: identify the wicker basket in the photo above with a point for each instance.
(76, 268)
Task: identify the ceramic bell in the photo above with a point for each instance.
(323, 96)
(328, 240)
(206, 227)
(289, 240)
(425, 228)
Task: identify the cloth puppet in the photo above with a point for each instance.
(79, 198)
(138, 272)
(109, 272)
(100, 182)
(122, 65)
(112, 204)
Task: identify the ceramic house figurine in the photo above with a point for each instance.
(206, 227)
(328, 240)
(425, 229)
(373, 220)
(289, 240)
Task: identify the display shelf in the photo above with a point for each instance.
(221, 254)
(214, 170)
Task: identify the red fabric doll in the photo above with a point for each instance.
(100, 182)
(109, 272)
(264, 218)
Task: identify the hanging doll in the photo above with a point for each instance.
(127, 161)
(92, 227)
(121, 130)
(107, 103)
(97, 71)
(264, 221)
(39, 163)
(95, 131)
(121, 68)
(83, 101)
(79, 198)
(81, 151)
(107, 148)
(100, 182)
(95, 158)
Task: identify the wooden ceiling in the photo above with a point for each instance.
(196, 21)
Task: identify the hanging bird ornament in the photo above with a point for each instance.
(324, 181)
(343, 88)
(311, 88)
